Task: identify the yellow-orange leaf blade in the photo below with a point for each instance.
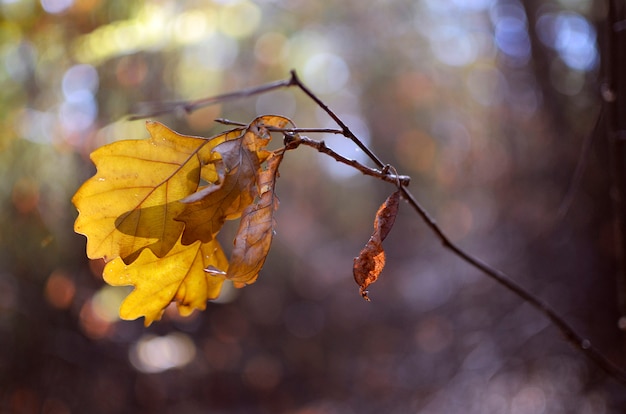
(132, 200)
(371, 260)
(178, 277)
(256, 229)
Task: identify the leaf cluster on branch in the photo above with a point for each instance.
(154, 207)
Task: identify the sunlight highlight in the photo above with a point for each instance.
(152, 354)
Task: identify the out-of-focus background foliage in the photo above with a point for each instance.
(485, 103)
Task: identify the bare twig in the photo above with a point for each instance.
(307, 130)
(295, 80)
(291, 131)
(321, 147)
(581, 343)
(228, 122)
(152, 109)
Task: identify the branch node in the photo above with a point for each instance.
(290, 140)
(294, 80)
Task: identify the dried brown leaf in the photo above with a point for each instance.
(256, 228)
(238, 165)
(371, 260)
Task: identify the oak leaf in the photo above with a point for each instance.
(154, 206)
(178, 277)
(371, 260)
(133, 199)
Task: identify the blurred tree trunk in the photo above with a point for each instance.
(572, 125)
(541, 62)
(614, 95)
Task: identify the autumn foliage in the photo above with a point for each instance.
(154, 207)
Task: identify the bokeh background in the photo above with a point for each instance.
(485, 103)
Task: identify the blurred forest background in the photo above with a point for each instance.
(485, 103)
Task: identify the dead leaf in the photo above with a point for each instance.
(241, 158)
(178, 277)
(256, 229)
(371, 260)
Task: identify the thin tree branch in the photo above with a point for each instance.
(152, 109)
(295, 80)
(321, 147)
(307, 130)
(581, 343)
(228, 122)
(291, 131)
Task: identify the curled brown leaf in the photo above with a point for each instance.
(256, 228)
(237, 161)
(371, 260)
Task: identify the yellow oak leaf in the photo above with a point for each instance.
(241, 159)
(133, 199)
(256, 229)
(178, 277)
